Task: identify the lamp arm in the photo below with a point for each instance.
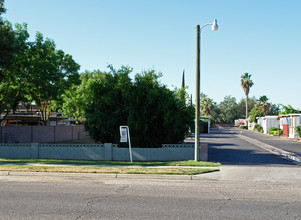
(206, 25)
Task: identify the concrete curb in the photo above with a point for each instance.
(106, 176)
(154, 176)
(4, 173)
(15, 173)
(292, 157)
(109, 175)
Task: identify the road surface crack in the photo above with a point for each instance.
(89, 206)
(226, 199)
(121, 189)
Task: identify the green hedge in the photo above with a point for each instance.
(257, 127)
(298, 131)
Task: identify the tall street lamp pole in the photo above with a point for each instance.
(214, 27)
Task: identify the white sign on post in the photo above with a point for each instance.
(124, 133)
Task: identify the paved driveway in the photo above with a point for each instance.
(244, 161)
(227, 148)
(283, 143)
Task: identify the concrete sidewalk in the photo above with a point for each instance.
(255, 174)
(227, 173)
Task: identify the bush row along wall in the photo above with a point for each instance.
(100, 152)
(41, 134)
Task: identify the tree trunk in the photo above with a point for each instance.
(247, 102)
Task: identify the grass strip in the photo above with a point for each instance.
(121, 163)
(113, 170)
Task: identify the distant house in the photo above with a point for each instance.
(239, 122)
(288, 124)
(18, 119)
(267, 122)
(31, 116)
(31, 109)
(36, 120)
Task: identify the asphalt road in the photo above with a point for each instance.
(283, 143)
(253, 184)
(93, 197)
(227, 148)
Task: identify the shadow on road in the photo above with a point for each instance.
(217, 153)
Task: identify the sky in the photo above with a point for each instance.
(260, 37)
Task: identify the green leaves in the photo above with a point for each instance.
(106, 108)
(288, 110)
(256, 112)
(48, 74)
(7, 47)
(298, 130)
(11, 45)
(246, 82)
(33, 71)
(154, 114)
(2, 9)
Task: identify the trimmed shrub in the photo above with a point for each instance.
(298, 130)
(244, 127)
(258, 128)
(274, 129)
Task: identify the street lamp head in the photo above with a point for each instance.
(214, 26)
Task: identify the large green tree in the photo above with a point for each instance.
(38, 73)
(228, 110)
(262, 108)
(32, 71)
(246, 83)
(7, 52)
(13, 78)
(7, 47)
(207, 106)
(77, 97)
(51, 73)
(273, 109)
(107, 108)
(268, 108)
(241, 106)
(264, 104)
(154, 114)
(256, 112)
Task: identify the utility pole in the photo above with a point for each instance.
(197, 99)
(214, 27)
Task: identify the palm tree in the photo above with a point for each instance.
(246, 83)
(264, 104)
(207, 106)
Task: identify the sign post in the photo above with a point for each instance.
(124, 134)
